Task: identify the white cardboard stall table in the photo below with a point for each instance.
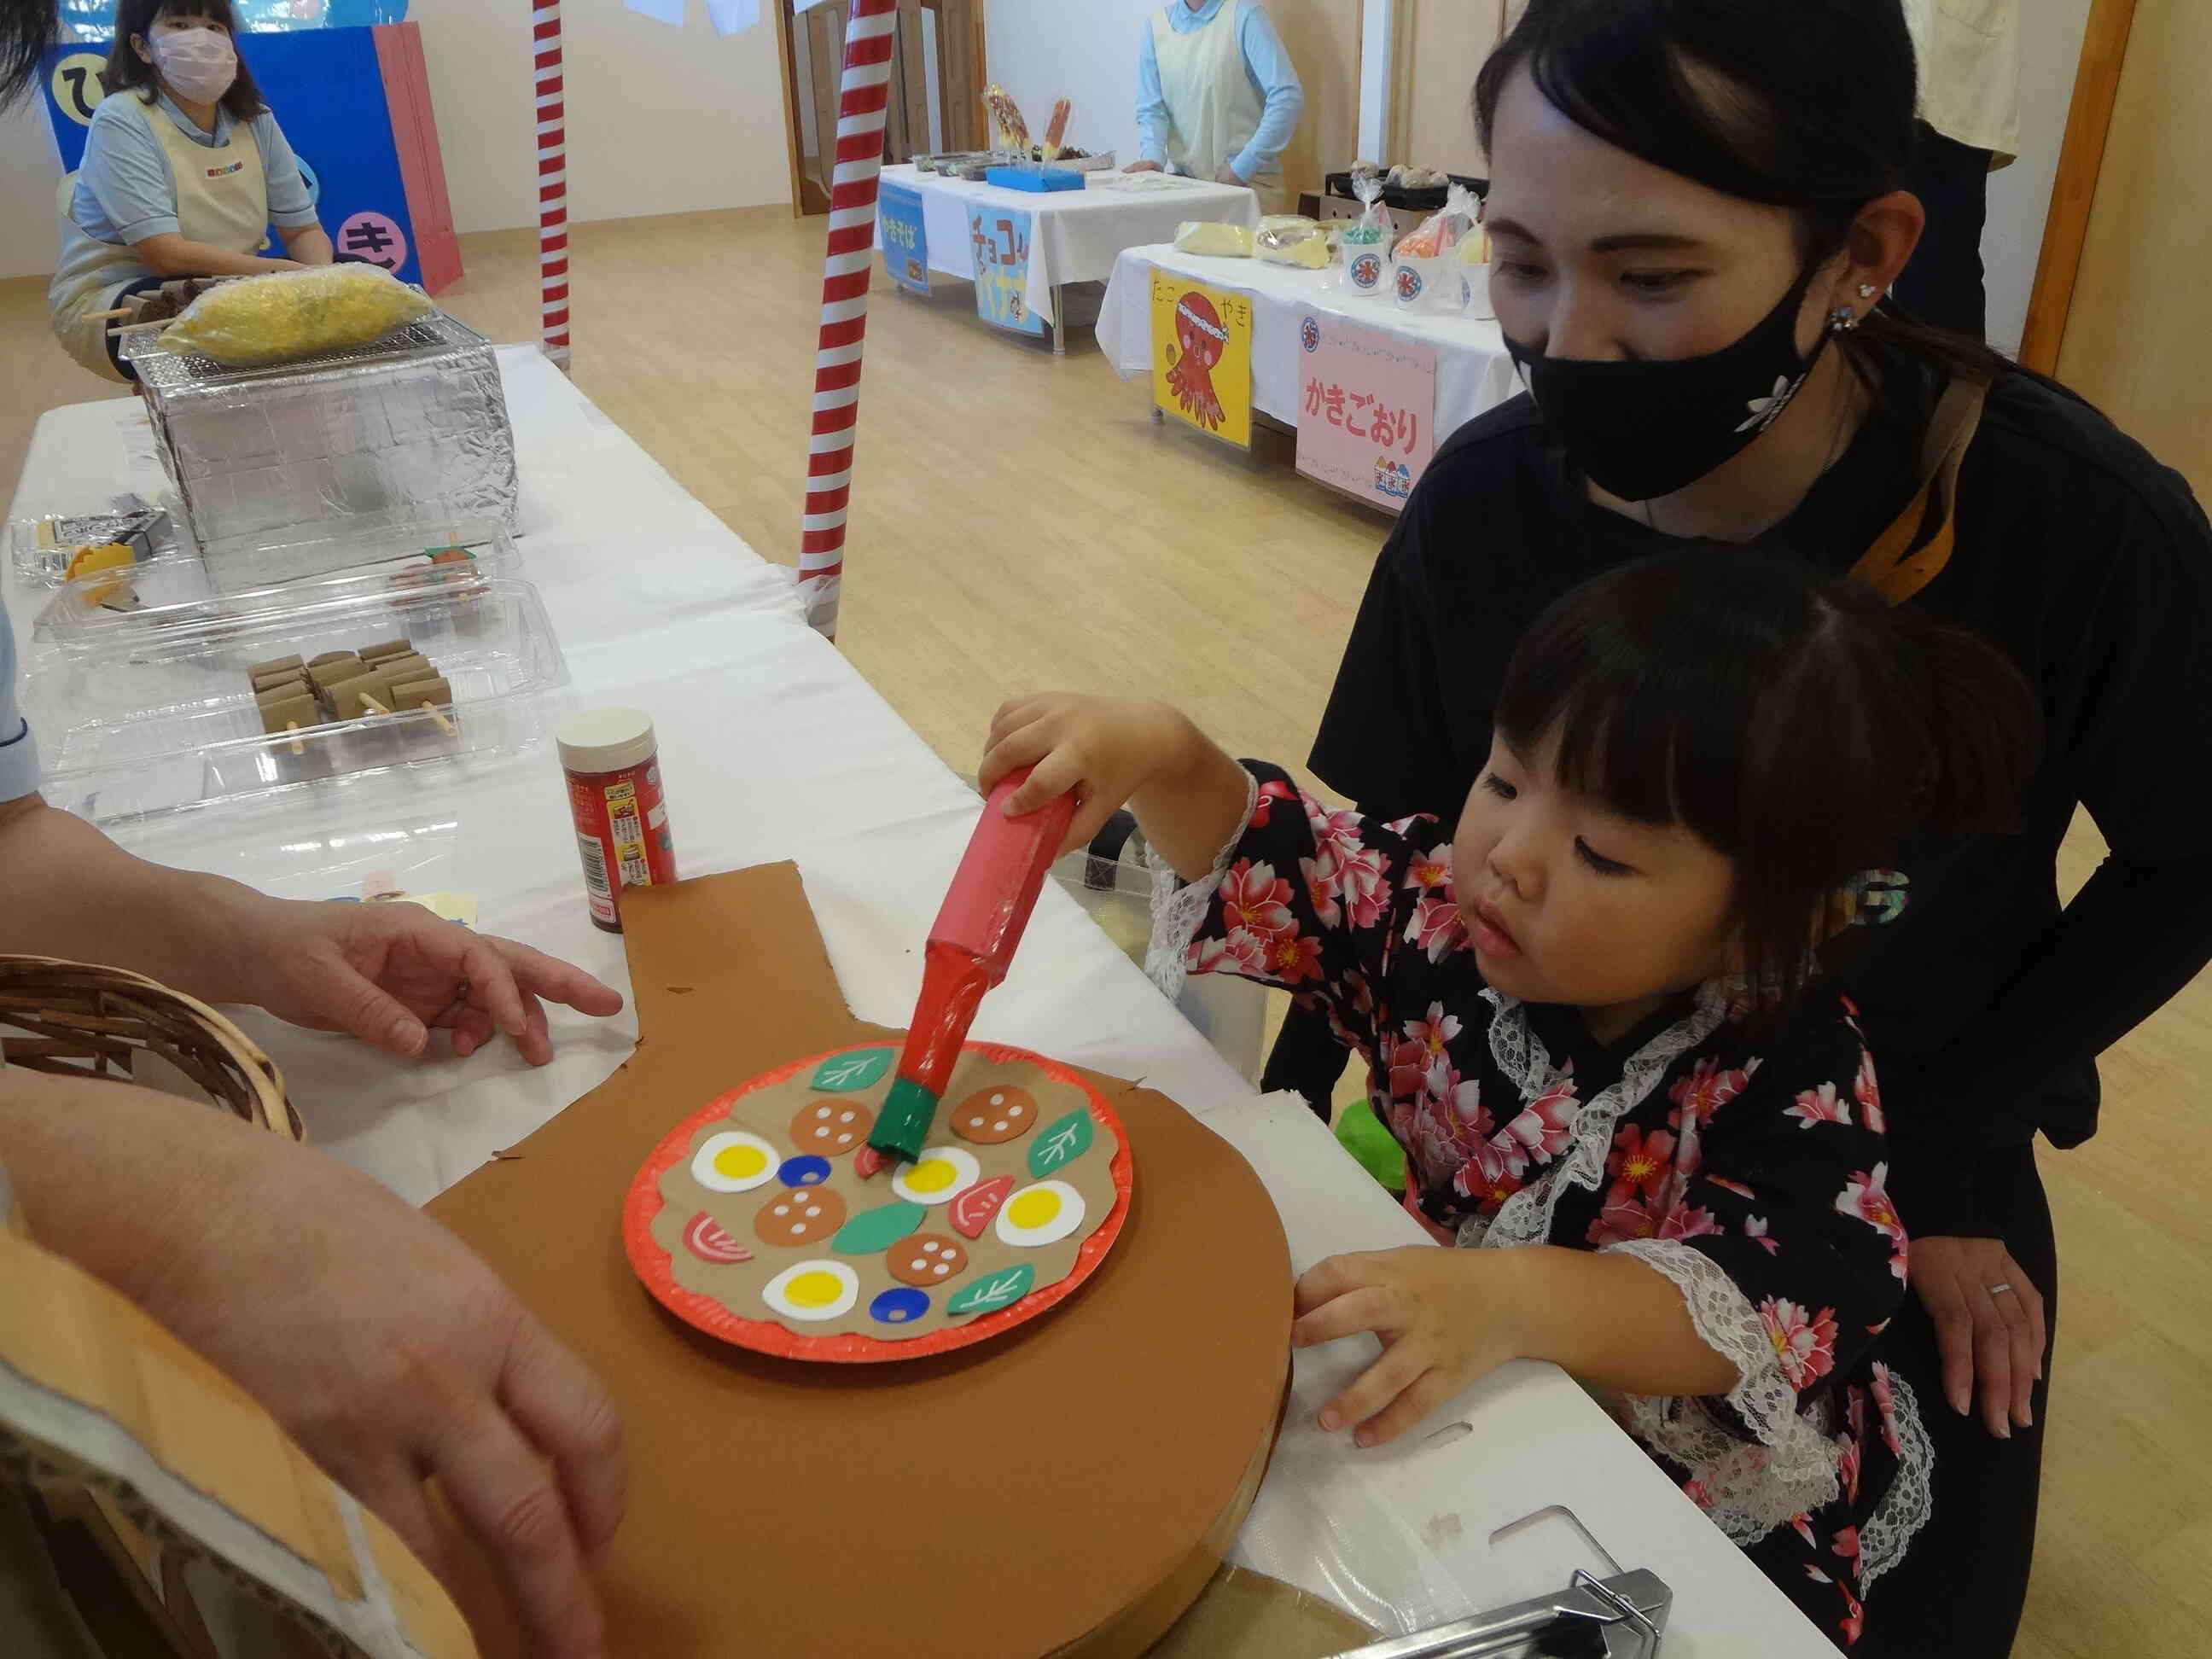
(1473, 372)
(1076, 234)
(775, 748)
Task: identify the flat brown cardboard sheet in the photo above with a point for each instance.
(1054, 1490)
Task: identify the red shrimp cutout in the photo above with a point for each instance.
(1200, 338)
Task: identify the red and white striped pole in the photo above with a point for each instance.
(552, 182)
(847, 271)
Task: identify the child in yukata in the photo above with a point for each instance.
(1595, 1019)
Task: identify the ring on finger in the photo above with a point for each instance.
(2000, 1290)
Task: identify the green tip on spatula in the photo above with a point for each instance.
(970, 947)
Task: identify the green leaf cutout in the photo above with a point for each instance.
(840, 1074)
(878, 1229)
(1062, 1142)
(999, 1290)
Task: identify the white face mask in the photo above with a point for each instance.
(198, 65)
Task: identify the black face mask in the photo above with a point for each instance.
(1644, 428)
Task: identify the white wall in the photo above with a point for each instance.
(1084, 50)
(30, 167)
(2019, 195)
(660, 120)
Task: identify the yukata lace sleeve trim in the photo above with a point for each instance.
(1748, 1489)
(1180, 908)
(1905, 1508)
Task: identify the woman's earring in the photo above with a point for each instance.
(1843, 319)
(1867, 290)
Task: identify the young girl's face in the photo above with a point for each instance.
(1568, 902)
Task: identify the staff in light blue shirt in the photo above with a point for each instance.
(1218, 96)
(184, 170)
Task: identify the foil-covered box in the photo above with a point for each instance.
(277, 465)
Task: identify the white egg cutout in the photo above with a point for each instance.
(937, 1177)
(1043, 1212)
(813, 1291)
(735, 1162)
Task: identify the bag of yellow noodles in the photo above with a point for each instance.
(289, 315)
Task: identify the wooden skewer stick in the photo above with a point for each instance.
(293, 726)
(371, 704)
(107, 316)
(444, 725)
(133, 328)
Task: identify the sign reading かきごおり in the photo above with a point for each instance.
(1202, 357)
(1367, 409)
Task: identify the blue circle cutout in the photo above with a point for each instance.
(804, 1171)
(901, 1306)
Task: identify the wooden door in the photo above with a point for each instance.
(813, 46)
(2123, 304)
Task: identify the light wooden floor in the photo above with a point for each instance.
(1018, 524)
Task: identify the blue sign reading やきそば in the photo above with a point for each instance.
(1000, 237)
(906, 237)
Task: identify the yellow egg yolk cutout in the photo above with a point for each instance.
(814, 1290)
(933, 1176)
(738, 1162)
(1033, 1208)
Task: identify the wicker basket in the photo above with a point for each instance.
(73, 1018)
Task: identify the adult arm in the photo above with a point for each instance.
(1277, 77)
(169, 254)
(291, 208)
(372, 1335)
(308, 245)
(384, 973)
(1151, 103)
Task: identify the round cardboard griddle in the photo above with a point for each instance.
(651, 1259)
(1064, 1489)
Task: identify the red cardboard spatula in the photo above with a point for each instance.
(970, 946)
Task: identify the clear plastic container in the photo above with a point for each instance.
(41, 548)
(99, 609)
(153, 723)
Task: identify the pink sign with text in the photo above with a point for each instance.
(1367, 409)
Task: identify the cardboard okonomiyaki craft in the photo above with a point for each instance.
(1066, 1487)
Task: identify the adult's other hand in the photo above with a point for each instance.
(381, 1343)
(391, 973)
(1142, 167)
(1988, 1324)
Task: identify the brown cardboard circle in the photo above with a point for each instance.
(1064, 1489)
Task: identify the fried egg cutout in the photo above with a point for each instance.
(1042, 1213)
(733, 1162)
(813, 1289)
(936, 1175)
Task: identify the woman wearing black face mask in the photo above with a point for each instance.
(1696, 210)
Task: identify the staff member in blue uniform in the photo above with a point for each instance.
(1216, 96)
(184, 170)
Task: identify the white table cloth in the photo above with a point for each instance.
(775, 748)
(1076, 234)
(1474, 374)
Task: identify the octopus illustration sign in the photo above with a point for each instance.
(1202, 357)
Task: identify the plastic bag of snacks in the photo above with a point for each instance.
(1423, 274)
(1290, 239)
(295, 313)
(1472, 257)
(1365, 244)
(1209, 236)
